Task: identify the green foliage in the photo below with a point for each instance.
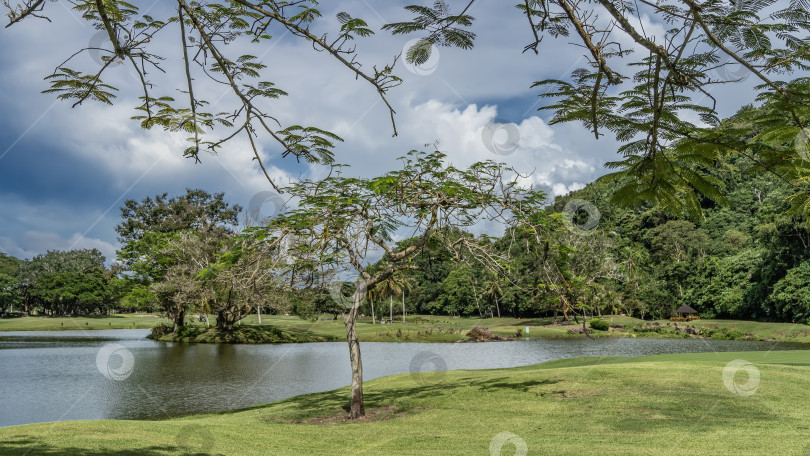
(599, 324)
(791, 294)
(65, 283)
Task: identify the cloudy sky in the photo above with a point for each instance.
(64, 172)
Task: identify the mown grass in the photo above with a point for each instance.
(666, 404)
(418, 328)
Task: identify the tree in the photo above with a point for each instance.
(395, 285)
(341, 220)
(705, 43)
(207, 33)
(8, 283)
(161, 214)
(8, 294)
(677, 240)
(493, 290)
(66, 283)
(458, 293)
(159, 237)
(791, 295)
(240, 279)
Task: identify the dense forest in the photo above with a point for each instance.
(744, 258)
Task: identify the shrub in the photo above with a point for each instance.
(160, 331)
(599, 324)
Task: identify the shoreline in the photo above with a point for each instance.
(421, 329)
(441, 414)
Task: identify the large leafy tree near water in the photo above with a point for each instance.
(341, 220)
(158, 250)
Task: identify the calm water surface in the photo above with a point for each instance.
(60, 375)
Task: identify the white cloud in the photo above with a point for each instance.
(444, 106)
(33, 243)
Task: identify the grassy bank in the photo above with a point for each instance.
(671, 404)
(421, 328)
(264, 334)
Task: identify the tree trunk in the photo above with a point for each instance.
(373, 320)
(179, 319)
(391, 309)
(356, 409)
(403, 307)
(475, 294)
(259, 312)
(497, 307)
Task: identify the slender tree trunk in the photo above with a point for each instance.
(497, 307)
(373, 320)
(403, 307)
(356, 409)
(259, 312)
(475, 295)
(391, 309)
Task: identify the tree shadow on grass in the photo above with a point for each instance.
(33, 447)
(324, 404)
(500, 384)
(534, 322)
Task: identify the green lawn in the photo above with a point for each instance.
(419, 328)
(126, 321)
(669, 404)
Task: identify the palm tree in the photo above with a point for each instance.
(393, 286)
(406, 284)
(494, 291)
(390, 287)
(371, 295)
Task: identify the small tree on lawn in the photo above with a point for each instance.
(342, 220)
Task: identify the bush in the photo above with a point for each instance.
(160, 331)
(599, 324)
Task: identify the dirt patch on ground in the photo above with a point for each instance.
(341, 416)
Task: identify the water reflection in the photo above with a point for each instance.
(50, 376)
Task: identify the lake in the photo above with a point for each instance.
(118, 374)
